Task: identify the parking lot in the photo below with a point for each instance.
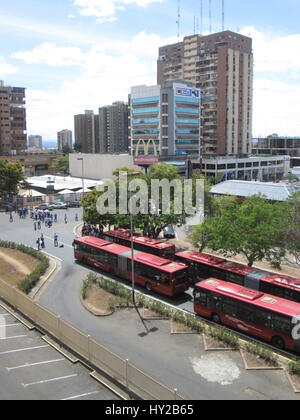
(30, 369)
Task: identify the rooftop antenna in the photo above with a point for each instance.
(210, 18)
(194, 25)
(223, 15)
(198, 28)
(201, 17)
(178, 19)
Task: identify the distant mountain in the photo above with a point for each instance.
(50, 144)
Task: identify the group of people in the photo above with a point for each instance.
(90, 230)
(22, 212)
(41, 241)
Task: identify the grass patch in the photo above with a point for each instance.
(33, 278)
(224, 336)
(263, 353)
(294, 368)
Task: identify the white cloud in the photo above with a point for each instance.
(276, 108)
(111, 66)
(276, 85)
(52, 55)
(6, 69)
(105, 10)
(274, 53)
(108, 70)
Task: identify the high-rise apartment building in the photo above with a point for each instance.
(64, 139)
(221, 65)
(165, 120)
(13, 137)
(113, 129)
(35, 142)
(85, 139)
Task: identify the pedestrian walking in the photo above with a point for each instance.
(34, 226)
(55, 240)
(43, 242)
(55, 218)
(11, 219)
(66, 219)
(76, 217)
(38, 242)
(39, 225)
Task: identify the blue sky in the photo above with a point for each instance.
(73, 55)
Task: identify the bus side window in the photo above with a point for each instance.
(201, 298)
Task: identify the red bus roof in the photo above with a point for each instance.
(147, 259)
(261, 300)
(160, 263)
(152, 243)
(92, 241)
(216, 262)
(282, 280)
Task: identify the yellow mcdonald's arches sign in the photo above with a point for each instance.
(146, 159)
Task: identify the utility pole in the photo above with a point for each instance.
(210, 17)
(223, 15)
(178, 20)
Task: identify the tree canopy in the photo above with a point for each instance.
(252, 228)
(61, 165)
(152, 223)
(11, 174)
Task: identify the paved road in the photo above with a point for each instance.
(32, 370)
(174, 360)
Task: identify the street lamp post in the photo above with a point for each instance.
(82, 173)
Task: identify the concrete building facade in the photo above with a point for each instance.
(221, 65)
(112, 130)
(85, 138)
(64, 139)
(98, 166)
(165, 120)
(35, 142)
(13, 137)
(277, 145)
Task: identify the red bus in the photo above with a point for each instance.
(260, 315)
(141, 243)
(163, 276)
(203, 266)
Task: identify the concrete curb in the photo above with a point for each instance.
(95, 312)
(44, 279)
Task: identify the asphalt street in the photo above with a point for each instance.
(173, 359)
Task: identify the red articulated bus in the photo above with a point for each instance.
(163, 276)
(203, 266)
(254, 313)
(141, 243)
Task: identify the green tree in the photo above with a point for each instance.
(60, 165)
(252, 228)
(11, 174)
(67, 150)
(151, 224)
(291, 230)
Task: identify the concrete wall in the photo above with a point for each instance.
(98, 166)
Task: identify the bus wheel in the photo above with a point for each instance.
(216, 319)
(149, 287)
(278, 343)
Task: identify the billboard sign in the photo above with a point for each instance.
(146, 159)
(187, 92)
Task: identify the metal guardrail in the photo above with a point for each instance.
(84, 345)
